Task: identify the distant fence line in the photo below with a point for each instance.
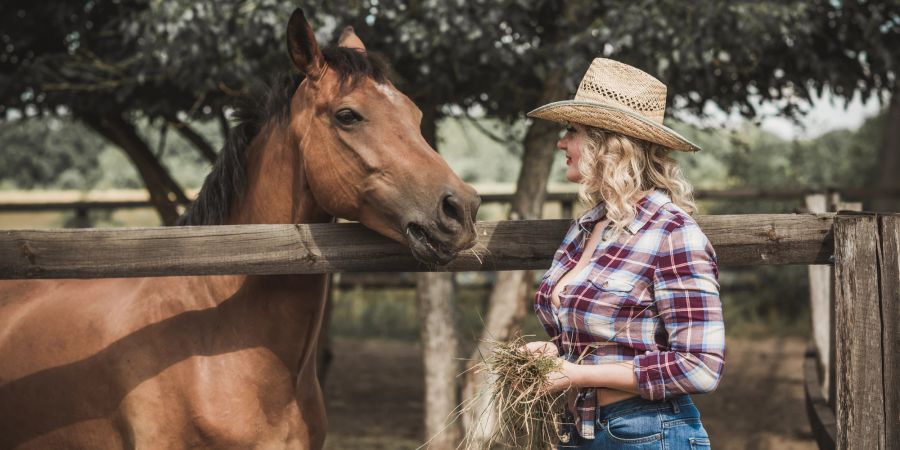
(567, 198)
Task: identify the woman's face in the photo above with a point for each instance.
(571, 144)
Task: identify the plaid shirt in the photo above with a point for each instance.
(649, 296)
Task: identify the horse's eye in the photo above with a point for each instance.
(347, 116)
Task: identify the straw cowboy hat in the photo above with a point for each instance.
(617, 97)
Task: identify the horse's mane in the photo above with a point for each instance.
(225, 183)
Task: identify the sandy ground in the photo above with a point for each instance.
(374, 394)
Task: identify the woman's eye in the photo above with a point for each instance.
(347, 116)
(571, 129)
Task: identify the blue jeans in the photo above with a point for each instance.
(636, 423)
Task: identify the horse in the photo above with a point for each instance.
(229, 361)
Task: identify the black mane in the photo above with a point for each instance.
(226, 182)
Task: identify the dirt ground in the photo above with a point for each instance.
(374, 395)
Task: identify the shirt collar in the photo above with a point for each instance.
(645, 210)
(592, 216)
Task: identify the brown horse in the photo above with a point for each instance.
(228, 361)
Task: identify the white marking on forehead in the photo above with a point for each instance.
(387, 90)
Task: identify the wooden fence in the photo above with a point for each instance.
(747, 239)
(864, 411)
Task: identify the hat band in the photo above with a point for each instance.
(652, 116)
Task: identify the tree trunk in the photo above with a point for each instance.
(436, 301)
(435, 295)
(192, 136)
(506, 306)
(889, 158)
(165, 194)
(537, 158)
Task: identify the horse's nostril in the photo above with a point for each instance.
(451, 208)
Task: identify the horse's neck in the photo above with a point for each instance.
(277, 192)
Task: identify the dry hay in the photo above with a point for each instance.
(528, 415)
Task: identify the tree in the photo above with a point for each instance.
(108, 63)
(68, 55)
(737, 54)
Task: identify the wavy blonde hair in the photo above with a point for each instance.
(616, 169)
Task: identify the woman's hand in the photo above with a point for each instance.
(543, 348)
(567, 376)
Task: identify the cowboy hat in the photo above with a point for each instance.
(617, 97)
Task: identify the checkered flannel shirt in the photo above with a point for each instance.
(649, 296)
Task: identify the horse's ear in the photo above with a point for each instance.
(349, 39)
(302, 46)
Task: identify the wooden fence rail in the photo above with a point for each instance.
(746, 239)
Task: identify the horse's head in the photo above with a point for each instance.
(364, 154)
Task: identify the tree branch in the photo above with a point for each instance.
(189, 134)
(165, 193)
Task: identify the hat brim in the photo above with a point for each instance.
(611, 118)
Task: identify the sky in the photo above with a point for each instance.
(826, 114)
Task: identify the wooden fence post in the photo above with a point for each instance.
(566, 209)
(860, 405)
(821, 306)
(889, 262)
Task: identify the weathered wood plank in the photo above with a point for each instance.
(778, 239)
(890, 318)
(318, 248)
(858, 347)
(821, 417)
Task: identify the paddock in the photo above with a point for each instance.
(858, 407)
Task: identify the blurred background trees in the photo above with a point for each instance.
(166, 71)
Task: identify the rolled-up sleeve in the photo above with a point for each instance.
(686, 294)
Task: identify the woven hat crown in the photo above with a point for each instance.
(612, 83)
(617, 97)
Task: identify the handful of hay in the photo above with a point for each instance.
(527, 415)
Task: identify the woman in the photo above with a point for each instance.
(631, 301)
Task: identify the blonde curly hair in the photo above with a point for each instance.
(617, 169)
